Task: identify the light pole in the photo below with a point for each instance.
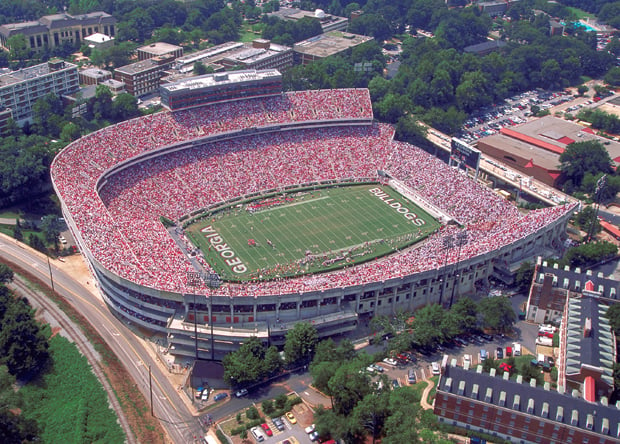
(461, 239)
(601, 185)
(50, 268)
(448, 243)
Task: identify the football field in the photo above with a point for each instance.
(308, 232)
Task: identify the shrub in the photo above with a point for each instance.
(267, 406)
(220, 435)
(252, 413)
(280, 401)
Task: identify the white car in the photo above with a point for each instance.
(466, 359)
(310, 429)
(390, 361)
(435, 368)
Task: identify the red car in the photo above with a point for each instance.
(267, 429)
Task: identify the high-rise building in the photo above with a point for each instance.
(19, 90)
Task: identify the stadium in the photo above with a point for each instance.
(132, 193)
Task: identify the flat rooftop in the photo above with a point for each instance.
(137, 67)
(159, 48)
(221, 79)
(32, 72)
(330, 43)
(552, 130)
(234, 51)
(510, 145)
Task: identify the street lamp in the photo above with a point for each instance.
(601, 185)
(448, 243)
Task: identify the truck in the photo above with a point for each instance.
(542, 340)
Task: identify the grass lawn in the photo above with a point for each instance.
(9, 214)
(309, 231)
(8, 230)
(433, 391)
(247, 34)
(580, 13)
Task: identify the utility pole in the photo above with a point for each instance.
(50, 268)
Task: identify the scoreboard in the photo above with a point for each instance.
(463, 154)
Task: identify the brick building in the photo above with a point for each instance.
(159, 49)
(521, 411)
(143, 77)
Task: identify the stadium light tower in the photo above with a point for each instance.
(601, 185)
(448, 243)
(461, 239)
(213, 281)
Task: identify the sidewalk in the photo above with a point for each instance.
(424, 401)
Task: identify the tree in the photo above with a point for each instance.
(426, 326)
(6, 274)
(17, 231)
(246, 365)
(371, 412)
(47, 114)
(18, 47)
(70, 132)
(50, 226)
(465, 311)
(497, 314)
(613, 76)
(580, 158)
(590, 253)
(582, 89)
(524, 276)
(200, 69)
(23, 347)
(124, 107)
(300, 343)
(348, 387)
(613, 314)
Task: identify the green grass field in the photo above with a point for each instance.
(309, 232)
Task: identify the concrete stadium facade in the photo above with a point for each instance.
(183, 317)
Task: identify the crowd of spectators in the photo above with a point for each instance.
(120, 224)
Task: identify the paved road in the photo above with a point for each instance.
(175, 417)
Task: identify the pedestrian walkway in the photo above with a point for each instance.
(424, 401)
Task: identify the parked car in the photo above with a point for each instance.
(310, 429)
(279, 424)
(291, 418)
(220, 396)
(499, 353)
(411, 378)
(314, 436)
(395, 383)
(377, 368)
(241, 393)
(199, 391)
(435, 368)
(390, 361)
(257, 434)
(266, 429)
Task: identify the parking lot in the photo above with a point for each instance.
(525, 334)
(515, 110)
(288, 430)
